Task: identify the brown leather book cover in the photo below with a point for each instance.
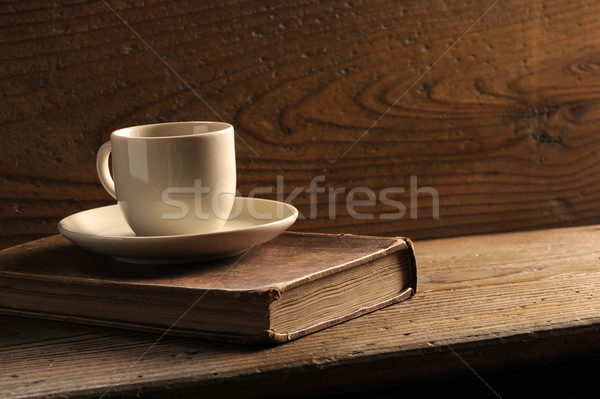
(295, 284)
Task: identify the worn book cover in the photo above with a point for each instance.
(293, 285)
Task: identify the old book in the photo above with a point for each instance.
(293, 285)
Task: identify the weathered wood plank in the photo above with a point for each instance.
(503, 123)
(490, 301)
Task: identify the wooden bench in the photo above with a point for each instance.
(485, 304)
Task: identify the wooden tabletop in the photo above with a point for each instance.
(483, 303)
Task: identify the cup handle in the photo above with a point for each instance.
(103, 171)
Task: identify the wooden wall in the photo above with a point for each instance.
(495, 105)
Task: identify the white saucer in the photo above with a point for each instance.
(105, 231)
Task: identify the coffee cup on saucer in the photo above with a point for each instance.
(171, 178)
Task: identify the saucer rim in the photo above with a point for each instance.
(272, 222)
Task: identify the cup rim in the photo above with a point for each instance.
(123, 132)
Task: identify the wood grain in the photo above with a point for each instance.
(484, 303)
(496, 109)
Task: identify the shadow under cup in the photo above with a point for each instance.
(173, 178)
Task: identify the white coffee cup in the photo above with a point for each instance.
(171, 178)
